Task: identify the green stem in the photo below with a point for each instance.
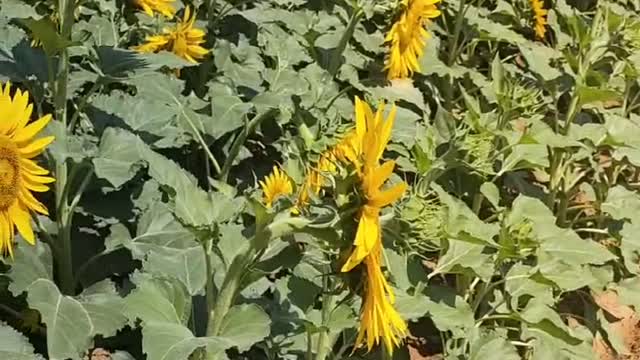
(240, 140)
(200, 139)
(209, 290)
(453, 43)
(83, 102)
(336, 56)
(229, 290)
(328, 303)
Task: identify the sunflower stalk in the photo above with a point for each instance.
(325, 342)
(232, 283)
(64, 213)
(335, 60)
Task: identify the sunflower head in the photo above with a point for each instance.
(164, 7)
(274, 185)
(19, 174)
(407, 37)
(183, 39)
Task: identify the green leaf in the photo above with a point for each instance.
(104, 306)
(622, 204)
(491, 193)
(46, 31)
(30, 263)
(14, 345)
(449, 311)
(538, 58)
(462, 255)
(165, 246)
(539, 315)
(493, 346)
(560, 243)
(245, 325)
(521, 282)
(156, 300)
(166, 341)
(69, 326)
(590, 95)
(117, 156)
(228, 111)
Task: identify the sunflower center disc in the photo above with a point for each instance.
(9, 173)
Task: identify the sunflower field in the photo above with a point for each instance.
(319, 179)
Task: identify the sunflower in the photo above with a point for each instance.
(407, 37)
(163, 7)
(19, 174)
(183, 40)
(540, 14)
(274, 185)
(379, 320)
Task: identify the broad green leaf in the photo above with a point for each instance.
(538, 58)
(153, 121)
(562, 244)
(463, 255)
(449, 311)
(520, 281)
(69, 325)
(493, 346)
(630, 243)
(104, 306)
(167, 341)
(165, 246)
(151, 301)
(245, 325)
(228, 111)
(590, 95)
(629, 292)
(14, 345)
(30, 263)
(12, 9)
(539, 315)
(622, 204)
(117, 156)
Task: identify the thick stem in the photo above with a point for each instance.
(65, 261)
(228, 292)
(334, 61)
(328, 302)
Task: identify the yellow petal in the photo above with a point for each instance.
(387, 197)
(22, 220)
(31, 130)
(36, 147)
(367, 235)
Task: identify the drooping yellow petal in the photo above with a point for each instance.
(22, 220)
(407, 37)
(6, 236)
(367, 237)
